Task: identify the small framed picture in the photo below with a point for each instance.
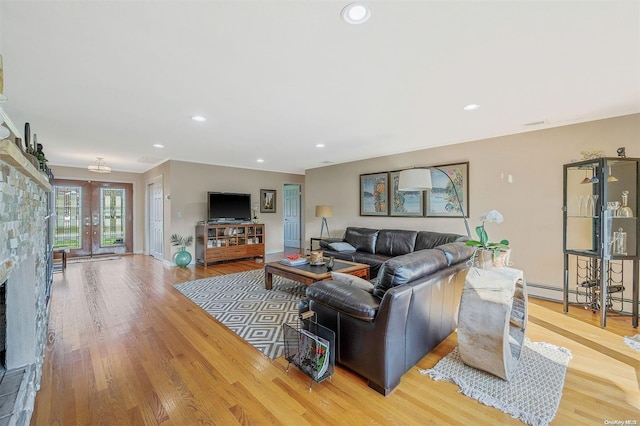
(267, 201)
(404, 203)
(449, 195)
(374, 193)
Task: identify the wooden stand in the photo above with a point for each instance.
(217, 243)
(492, 320)
(61, 252)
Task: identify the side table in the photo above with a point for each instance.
(492, 320)
(311, 240)
(63, 251)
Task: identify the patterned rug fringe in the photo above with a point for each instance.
(490, 401)
(565, 351)
(633, 341)
(471, 390)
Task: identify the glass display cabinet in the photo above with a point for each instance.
(601, 241)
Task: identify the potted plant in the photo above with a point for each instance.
(487, 254)
(183, 257)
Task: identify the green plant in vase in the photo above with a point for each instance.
(483, 243)
(183, 257)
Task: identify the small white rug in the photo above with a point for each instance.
(533, 394)
(633, 341)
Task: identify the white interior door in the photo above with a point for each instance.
(292, 221)
(156, 223)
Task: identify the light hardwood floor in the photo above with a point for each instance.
(126, 348)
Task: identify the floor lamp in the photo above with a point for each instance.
(324, 212)
(419, 179)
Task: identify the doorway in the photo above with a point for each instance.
(93, 218)
(292, 218)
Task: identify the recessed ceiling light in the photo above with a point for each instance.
(471, 107)
(356, 13)
(158, 145)
(198, 118)
(260, 160)
(319, 145)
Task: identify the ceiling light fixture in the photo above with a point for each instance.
(198, 118)
(158, 145)
(99, 167)
(320, 145)
(260, 160)
(356, 13)
(471, 107)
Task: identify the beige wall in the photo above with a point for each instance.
(188, 184)
(531, 205)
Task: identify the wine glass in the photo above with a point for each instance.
(594, 204)
(587, 205)
(580, 198)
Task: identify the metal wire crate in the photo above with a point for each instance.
(310, 347)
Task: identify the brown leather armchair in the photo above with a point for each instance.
(412, 308)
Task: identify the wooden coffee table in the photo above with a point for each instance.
(309, 274)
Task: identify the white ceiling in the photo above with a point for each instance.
(275, 78)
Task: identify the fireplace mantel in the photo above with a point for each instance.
(25, 271)
(11, 154)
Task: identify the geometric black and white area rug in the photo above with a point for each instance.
(241, 303)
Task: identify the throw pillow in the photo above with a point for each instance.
(352, 280)
(342, 247)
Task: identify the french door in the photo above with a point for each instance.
(93, 218)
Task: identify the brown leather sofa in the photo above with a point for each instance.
(375, 246)
(412, 307)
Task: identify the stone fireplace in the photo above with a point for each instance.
(25, 274)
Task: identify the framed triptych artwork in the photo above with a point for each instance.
(404, 203)
(449, 182)
(374, 193)
(448, 196)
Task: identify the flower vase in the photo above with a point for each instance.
(502, 260)
(484, 259)
(182, 258)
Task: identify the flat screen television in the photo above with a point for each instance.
(228, 207)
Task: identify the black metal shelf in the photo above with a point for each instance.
(594, 230)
